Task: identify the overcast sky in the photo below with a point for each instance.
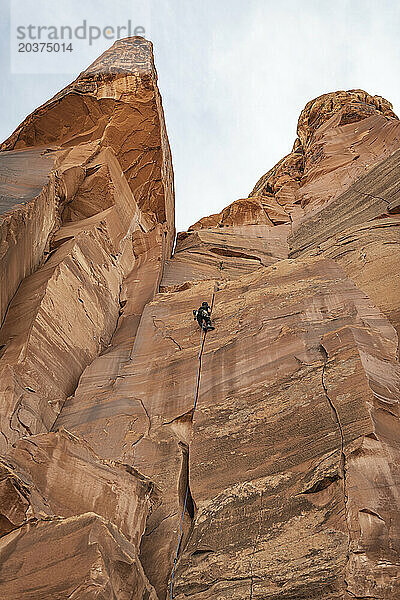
(234, 75)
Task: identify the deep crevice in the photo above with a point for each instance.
(183, 485)
(234, 254)
(322, 484)
(201, 552)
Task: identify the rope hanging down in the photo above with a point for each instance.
(196, 395)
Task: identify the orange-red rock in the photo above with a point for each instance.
(75, 558)
(285, 479)
(60, 475)
(87, 214)
(340, 136)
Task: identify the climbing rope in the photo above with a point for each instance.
(196, 395)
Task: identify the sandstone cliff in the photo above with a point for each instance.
(285, 480)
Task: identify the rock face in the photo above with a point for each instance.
(87, 222)
(284, 481)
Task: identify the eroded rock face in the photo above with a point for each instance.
(285, 480)
(82, 224)
(57, 474)
(282, 511)
(270, 436)
(87, 223)
(79, 557)
(340, 136)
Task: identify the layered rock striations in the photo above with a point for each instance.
(294, 464)
(87, 223)
(284, 482)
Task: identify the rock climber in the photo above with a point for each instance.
(203, 316)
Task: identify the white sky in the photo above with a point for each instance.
(234, 76)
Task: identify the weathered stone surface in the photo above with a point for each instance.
(87, 224)
(226, 253)
(84, 226)
(29, 210)
(339, 182)
(341, 135)
(353, 105)
(116, 102)
(270, 523)
(371, 463)
(269, 489)
(79, 557)
(366, 199)
(261, 210)
(128, 420)
(58, 475)
(58, 321)
(316, 297)
(370, 255)
(360, 231)
(284, 481)
(78, 285)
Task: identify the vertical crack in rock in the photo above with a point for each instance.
(186, 504)
(5, 315)
(184, 483)
(342, 454)
(146, 412)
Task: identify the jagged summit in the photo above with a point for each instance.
(353, 106)
(329, 143)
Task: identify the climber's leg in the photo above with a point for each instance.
(209, 325)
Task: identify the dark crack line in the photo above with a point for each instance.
(364, 597)
(158, 524)
(15, 414)
(32, 456)
(86, 312)
(169, 337)
(8, 306)
(372, 196)
(185, 414)
(235, 254)
(342, 454)
(119, 312)
(138, 440)
(165, 335)
(147, 415)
